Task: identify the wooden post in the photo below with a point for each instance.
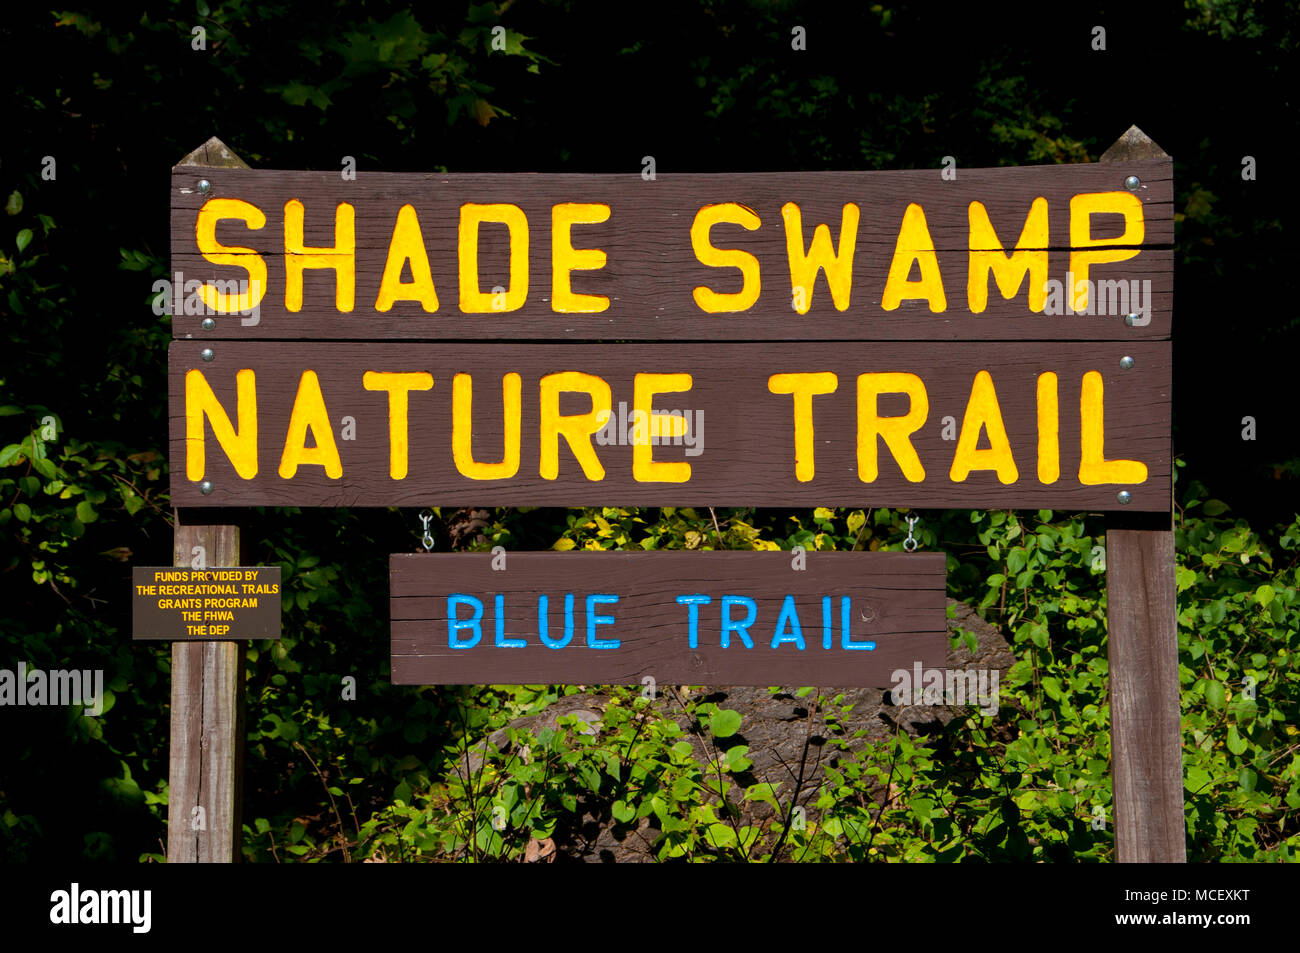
(207, 718)
(1142, 620)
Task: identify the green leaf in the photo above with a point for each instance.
(24, 239)
(14, 204)
(1214, 507)
(23, 512)
(86, 513)
(622, 812)
(1198, 780)
(721, 836)
(1236, 744)
(1247, 780)
(724, 723)
(1214, 694)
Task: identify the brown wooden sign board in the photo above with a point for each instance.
(229, 603)
(897, 255)
(716, 618)
(983, 425)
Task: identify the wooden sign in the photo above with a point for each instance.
(230, 603)
(1060, 252)
(979, 425)
(716, 618)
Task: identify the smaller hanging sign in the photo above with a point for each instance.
(721, 618)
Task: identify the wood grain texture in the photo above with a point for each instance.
(1142, 625)
(748, 448)
(651, 269)
(897, 602)
(207, 726)
(206, 754)
(1145, 708)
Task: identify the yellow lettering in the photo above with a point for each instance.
(342, 257)
(473, 301)
(644, 467)
(566, 259)
(407, 244)
(462, 428)
(309, 412)
(838, 265)
(1028, 258)
(1094, 468)
(1082, 208)
(896, 431)
(983, 413)
(803, 387)
(205, 235)
(735, 214)
(398, 385)
(577, 429)
(914, 245)
(240, 447)
(1049, 429)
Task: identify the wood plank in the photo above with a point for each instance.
(895, 604)
(1145, 707)
(746, 451)
(207, 726)
(1142, 626)
(205, 771)
(651, 268)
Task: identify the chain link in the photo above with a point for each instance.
(426, 516)
(911, 542)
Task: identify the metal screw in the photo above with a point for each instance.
(205, 487)
(1124, 496)
(1132, 183)
(207, 354)
(204, 186)
(1131, 319)
(1126, 362)
(209, 324)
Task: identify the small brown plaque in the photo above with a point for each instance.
(226, 604)
(717, 618)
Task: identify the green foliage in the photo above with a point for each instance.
(371, 771)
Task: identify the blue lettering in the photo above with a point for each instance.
(740, 628)
(502, 641)
(693, 615)
(791, 618)
(845, 641)
(594, 620)
(543, 625)
(455, 624)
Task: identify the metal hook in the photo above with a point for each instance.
(426, 516)
(911, 543)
